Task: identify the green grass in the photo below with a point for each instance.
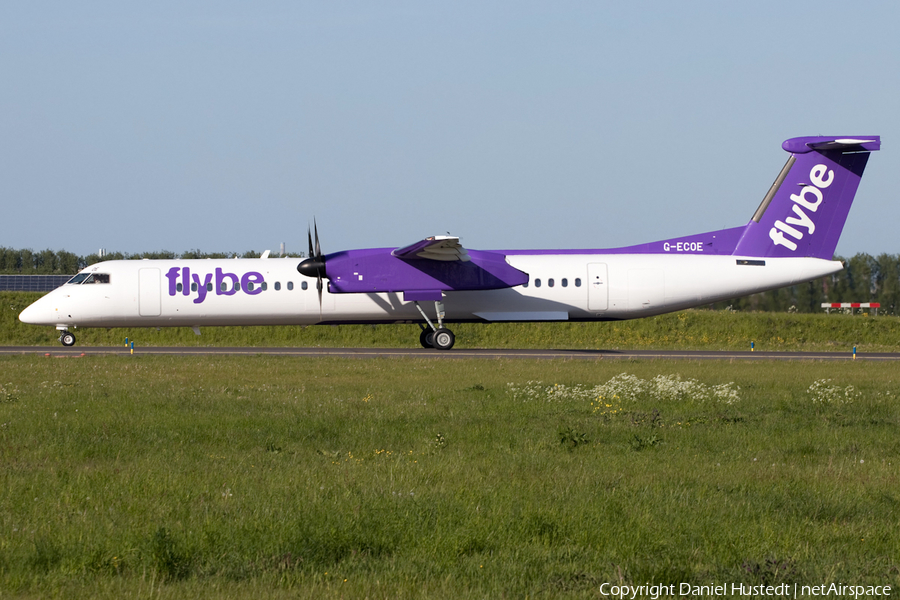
(226, 477)
(694, 329)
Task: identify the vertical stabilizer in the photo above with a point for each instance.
(805, 210)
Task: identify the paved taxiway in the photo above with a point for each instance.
(450, 354)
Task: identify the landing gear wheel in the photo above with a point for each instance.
(425, 338)
(431, 336)
(443, 339)
(67, 339)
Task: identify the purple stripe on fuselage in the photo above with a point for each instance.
(721, 242)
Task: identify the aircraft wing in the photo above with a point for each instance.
(437, 247)
(433, 265)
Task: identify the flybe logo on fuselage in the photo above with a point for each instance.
(182, 281)
(810, 197)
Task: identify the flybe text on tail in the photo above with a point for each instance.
(809, 198)
(804, 211)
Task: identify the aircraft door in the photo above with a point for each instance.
(598, 287)
(149, 293)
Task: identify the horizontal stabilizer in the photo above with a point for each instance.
(802, 145)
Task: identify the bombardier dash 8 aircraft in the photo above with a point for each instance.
(790, 239)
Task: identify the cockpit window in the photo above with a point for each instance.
(85, 278)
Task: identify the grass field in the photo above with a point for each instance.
(695, 329)
(225, 477)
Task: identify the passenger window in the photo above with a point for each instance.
(565, 282)
(194, 287)
(537, 283)
(525, 284)
(550, 282)
(304, 285)
(209, 287)
(277, 285)
(577, 282)
(250, 286)
(237, 286)
(224, 287)
(178, 287)
(264, 286)
(290, 285)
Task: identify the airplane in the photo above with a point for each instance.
(434, 282)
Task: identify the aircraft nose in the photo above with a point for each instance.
(35, 314)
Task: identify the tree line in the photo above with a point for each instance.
(50, 262)
(864, 279)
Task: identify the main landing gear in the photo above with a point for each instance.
(438, 337)
(66, 338)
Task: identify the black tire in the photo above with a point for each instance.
(425, 338)
(67, 339)
(443, 339)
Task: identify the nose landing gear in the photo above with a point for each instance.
(66, 338)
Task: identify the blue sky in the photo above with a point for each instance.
(228, 126)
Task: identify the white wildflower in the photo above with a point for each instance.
(823, 392)
(627, 387)
(623, 387)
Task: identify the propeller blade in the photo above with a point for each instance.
(314, 264)
(318, 249)
(319, 287)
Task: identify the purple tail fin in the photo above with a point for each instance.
(805, 210)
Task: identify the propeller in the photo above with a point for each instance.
(314, 266)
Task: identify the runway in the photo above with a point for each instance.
(58, 351)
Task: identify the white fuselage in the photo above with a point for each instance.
(589, 286)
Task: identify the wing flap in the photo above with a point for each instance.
(443, 248)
